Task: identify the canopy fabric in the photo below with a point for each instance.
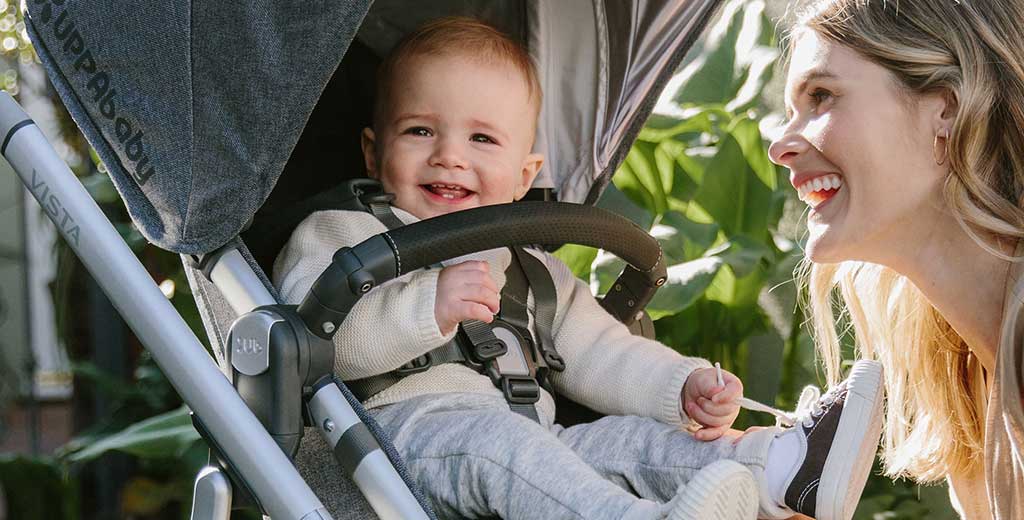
(195, 107)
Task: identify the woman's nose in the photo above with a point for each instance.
(784, 150)
(449, 155)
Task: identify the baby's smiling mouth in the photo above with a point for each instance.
(451, 192)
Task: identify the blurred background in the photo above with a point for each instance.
(90, 428)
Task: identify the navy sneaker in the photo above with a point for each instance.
(838, 434)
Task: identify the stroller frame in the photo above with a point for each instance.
(239, 435)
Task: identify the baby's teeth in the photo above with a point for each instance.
(817, 184)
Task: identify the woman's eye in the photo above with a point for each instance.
(482, 138)
(820, 95)
(421, 131)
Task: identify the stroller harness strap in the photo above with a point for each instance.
(504, 350)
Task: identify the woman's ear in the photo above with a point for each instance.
(945, 110)
(531, 167)
(369, 152)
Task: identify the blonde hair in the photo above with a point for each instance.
(973, 54)
(456, 36)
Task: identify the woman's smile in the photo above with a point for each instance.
(818, 190)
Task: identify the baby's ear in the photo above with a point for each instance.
(531, 167)
(369, 152)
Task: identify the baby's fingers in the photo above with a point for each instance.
(713, 408)
(710, 434)
(705, 419)
(474, 311)
(732, 391)
(478, 293)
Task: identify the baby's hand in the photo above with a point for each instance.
(465, 292)
(711, 405)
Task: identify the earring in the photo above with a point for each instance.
(945, 148)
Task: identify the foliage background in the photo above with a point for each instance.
(698, 177)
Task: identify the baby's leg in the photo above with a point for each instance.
(473, 457)
(817, 467)
(652, 458)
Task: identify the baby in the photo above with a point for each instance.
(453, 129)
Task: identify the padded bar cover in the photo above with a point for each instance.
(523, 223)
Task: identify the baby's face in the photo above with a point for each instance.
(457, 135)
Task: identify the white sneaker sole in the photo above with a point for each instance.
(853, 450)
(723, 490)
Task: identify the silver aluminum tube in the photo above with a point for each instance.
(177, 351)
(239, 284)
(374, 475)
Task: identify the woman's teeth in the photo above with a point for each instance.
(819, 189)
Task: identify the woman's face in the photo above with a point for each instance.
(859, 151)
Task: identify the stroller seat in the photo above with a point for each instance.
(206, 123)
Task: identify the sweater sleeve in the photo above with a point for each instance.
(608, 368)
(364, 346)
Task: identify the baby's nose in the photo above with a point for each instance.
(449, 155)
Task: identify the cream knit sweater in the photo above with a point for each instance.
(607, 368)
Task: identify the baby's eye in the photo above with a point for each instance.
(482, 138)
(421, 131)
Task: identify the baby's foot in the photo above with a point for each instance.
(837, 438)
(722, 490)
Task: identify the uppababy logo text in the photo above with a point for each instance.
(54, 208)
(248, 346)
(98, 84)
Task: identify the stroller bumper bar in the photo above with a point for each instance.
(356, 270)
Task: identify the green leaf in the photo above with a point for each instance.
(764, 358)
(733, 195)
(683, 239)
(734, 62)
(165, 435)
(738, 293)
(747, 133)
(578, 258)
(614, 200)
(687, 122)
(37, 488)
(645, 184)
(686, 283)
(742, 253)
(710, 76)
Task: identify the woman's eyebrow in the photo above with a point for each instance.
(812, 75)
(806, 78)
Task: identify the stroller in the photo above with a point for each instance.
(224, 124)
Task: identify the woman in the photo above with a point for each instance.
(905, 136)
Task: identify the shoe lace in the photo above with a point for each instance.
(809, 405)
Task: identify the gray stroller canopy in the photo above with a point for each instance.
(196, 107)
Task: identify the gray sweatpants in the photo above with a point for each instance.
(473, 457)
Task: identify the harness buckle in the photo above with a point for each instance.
(553, 360)
(520, 390)
(420, 364)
